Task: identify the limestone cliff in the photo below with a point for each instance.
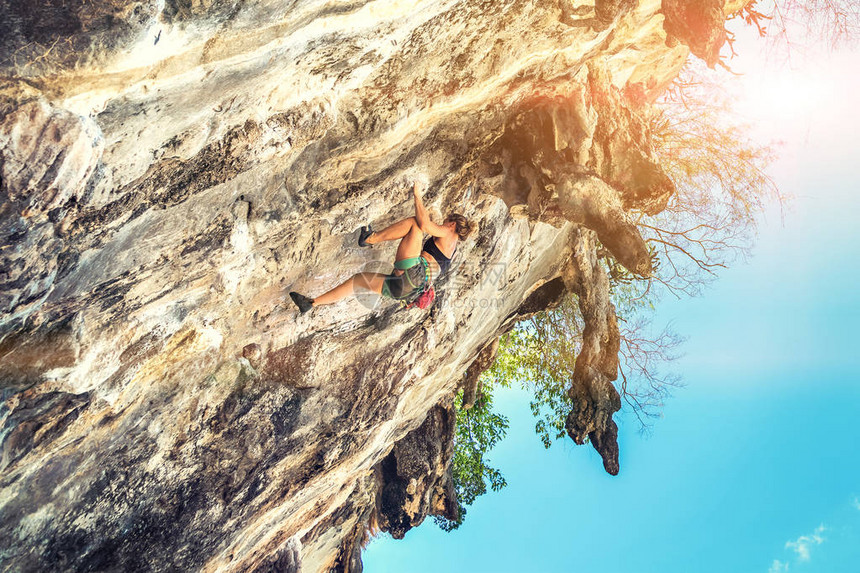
(172, 168)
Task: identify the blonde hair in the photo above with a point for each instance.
(464, 227)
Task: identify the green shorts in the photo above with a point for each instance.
(415, 276)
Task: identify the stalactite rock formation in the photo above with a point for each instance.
(594, 397)
(171, 169)
(700, 24)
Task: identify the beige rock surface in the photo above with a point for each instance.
(172, 168)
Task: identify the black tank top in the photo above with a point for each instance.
(444, 262)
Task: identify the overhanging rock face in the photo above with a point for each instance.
(170, 170)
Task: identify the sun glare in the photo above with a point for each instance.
(785, 100)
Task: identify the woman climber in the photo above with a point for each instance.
(415, 266)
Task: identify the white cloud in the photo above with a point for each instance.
(804, 543)
(778, 567)
(856, 502)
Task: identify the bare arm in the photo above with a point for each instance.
(423, 218)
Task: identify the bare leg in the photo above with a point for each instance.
(367, 281)
(393, 232)
(410, 244)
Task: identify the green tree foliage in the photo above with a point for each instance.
(479, 428)
(539, 355)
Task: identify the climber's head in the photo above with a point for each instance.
(460, 224)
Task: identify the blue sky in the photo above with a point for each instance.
(755, 466)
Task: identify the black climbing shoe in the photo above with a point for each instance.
(363, 234)
(304, 303)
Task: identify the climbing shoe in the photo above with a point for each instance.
(304, 303)
(363, 235)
